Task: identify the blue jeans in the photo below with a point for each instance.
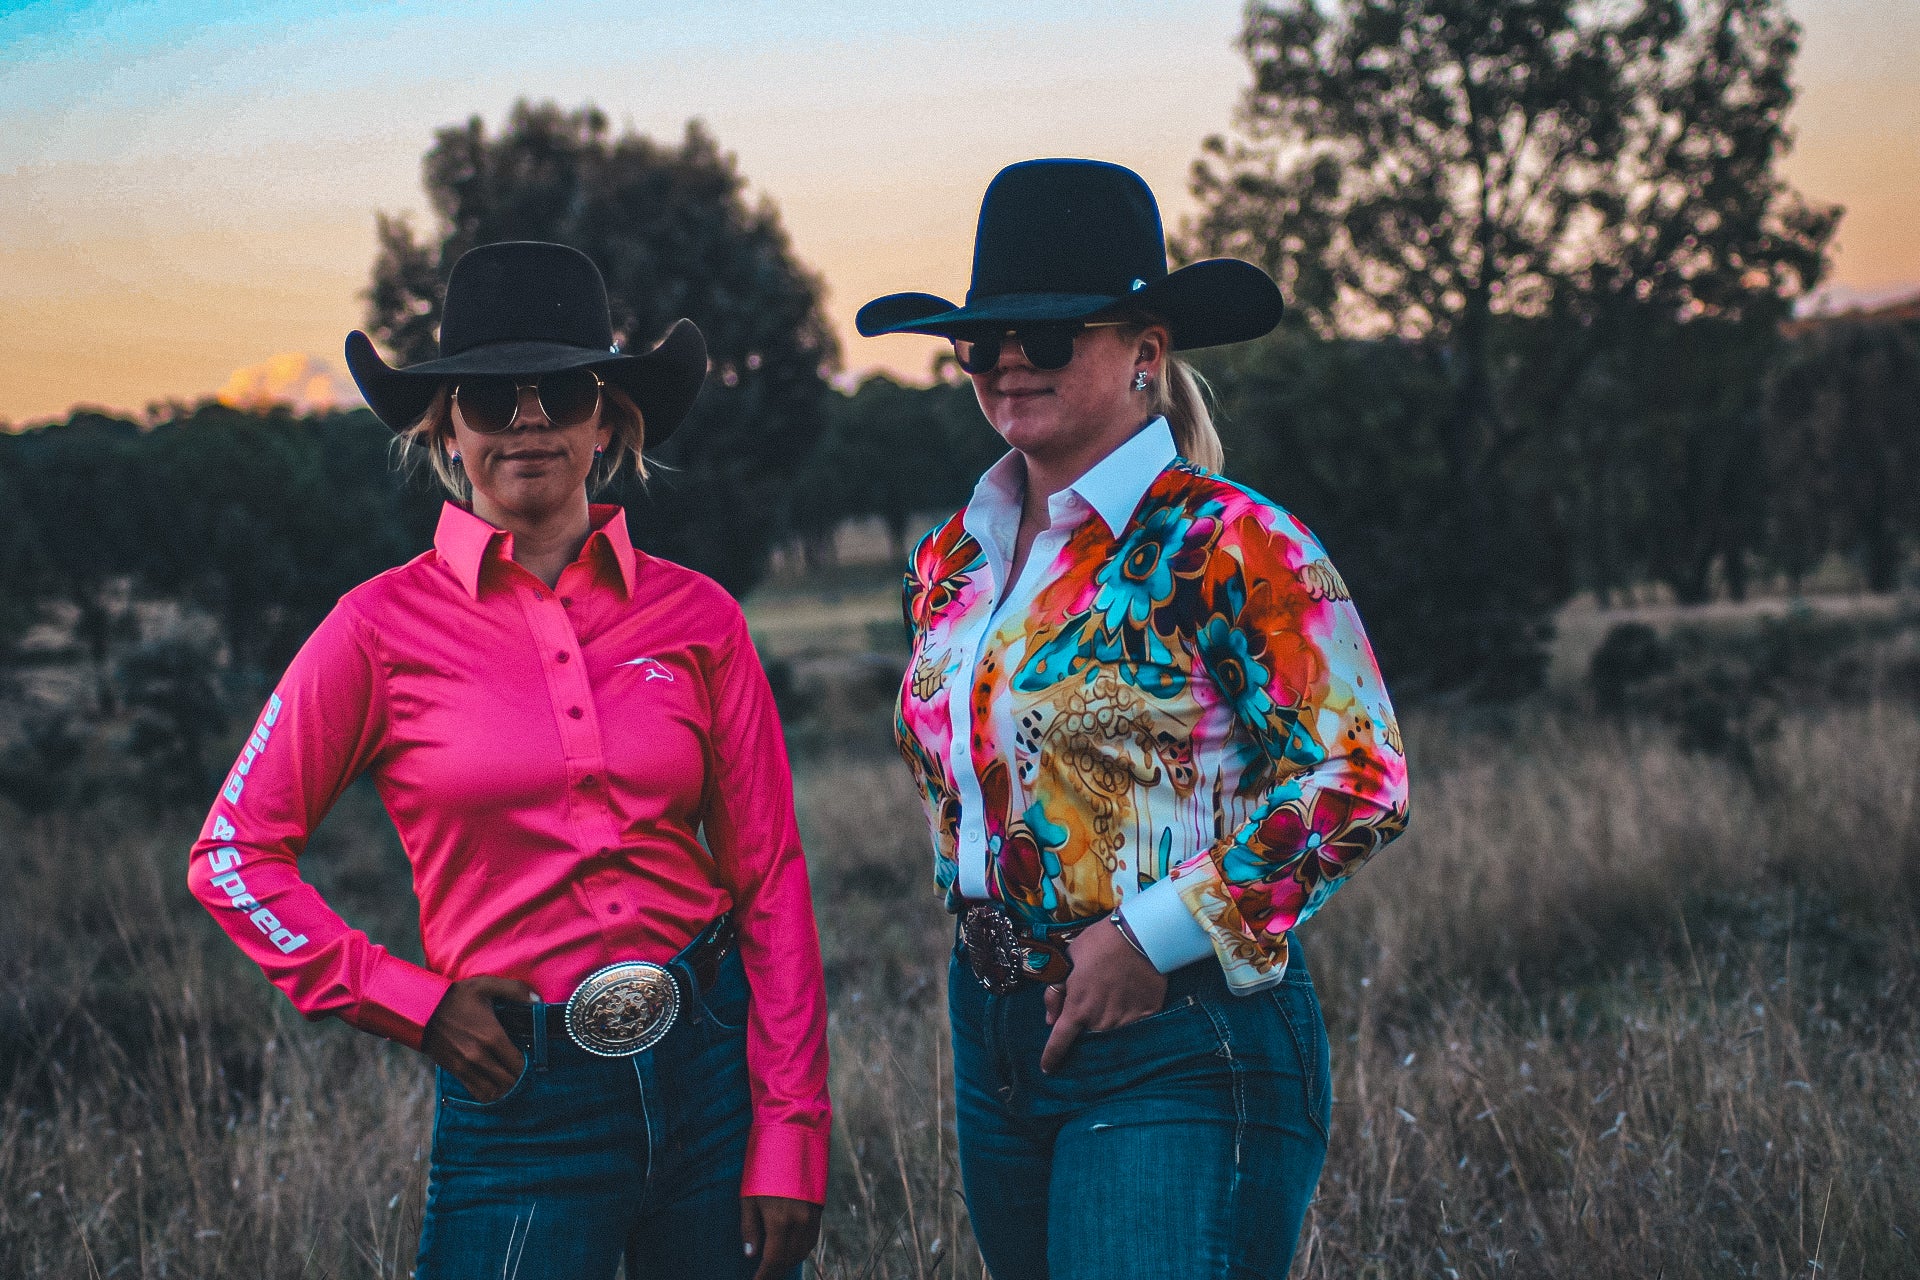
(587, 1160)
(1186, 1144)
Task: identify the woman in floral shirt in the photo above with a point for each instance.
(1151, 739)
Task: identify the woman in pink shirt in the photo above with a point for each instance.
(622, 990)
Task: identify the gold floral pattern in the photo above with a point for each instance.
(1324, 581)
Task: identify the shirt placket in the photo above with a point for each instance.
(971, 855)
(576, 715)
(981, 621)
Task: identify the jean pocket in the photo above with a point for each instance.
(1299, 1008)
(725, 1003)
(1178, 1005)
(455, 1094)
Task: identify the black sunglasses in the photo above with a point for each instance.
(1047, 346)
(490, 405)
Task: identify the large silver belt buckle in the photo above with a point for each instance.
(623, 1009)
(994, 952)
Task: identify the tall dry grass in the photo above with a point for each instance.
(1608, 1010)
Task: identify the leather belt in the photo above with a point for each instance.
(1003, 953)
(628, 1007)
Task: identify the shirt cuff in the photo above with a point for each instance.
(400, 1000)
(1168, 933)
(786, 1160)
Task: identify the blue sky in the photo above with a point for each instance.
(191, 186)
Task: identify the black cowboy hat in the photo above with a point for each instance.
(527, 307)
(1068, 239)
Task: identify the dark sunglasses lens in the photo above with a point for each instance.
(569, 396)
(1048, 348)
(977, 355)
(487, 404)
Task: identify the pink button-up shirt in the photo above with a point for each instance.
(552, 759)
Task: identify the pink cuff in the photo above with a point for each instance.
(399, 1000)
(786, 1160)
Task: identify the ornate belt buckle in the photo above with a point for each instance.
(623, 1009)
(993, 949)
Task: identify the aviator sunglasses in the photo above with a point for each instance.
(491, 405)
(1048, 346)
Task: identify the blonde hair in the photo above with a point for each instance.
(1179, 394)
(430, 438)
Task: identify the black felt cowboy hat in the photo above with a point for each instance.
(525, 307)
(1068, 239)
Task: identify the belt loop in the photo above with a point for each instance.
(682, 966)
(539, 1034)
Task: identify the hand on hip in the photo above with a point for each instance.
(1111, 985)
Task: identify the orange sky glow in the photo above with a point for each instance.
(187, 196)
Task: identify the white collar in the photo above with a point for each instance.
(1113, 486)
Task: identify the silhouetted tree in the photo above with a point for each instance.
(895, 452)
(1521, 189)
(23, 568)
(1843, 447)
(671, 228)
(270, 518)
(80, 500)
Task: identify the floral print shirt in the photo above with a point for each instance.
(1174, 710)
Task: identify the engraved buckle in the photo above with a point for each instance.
(623, 1009)
(988, 938)
(1002, 959)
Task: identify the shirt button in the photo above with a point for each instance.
(587, 781)
(613, 908)
(561, 656)
(575, 712)
(567, 601)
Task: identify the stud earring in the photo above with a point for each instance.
(599, 449)
(1140, 380)
(453, 455)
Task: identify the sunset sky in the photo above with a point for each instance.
(187, 190)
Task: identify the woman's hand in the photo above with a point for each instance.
(1111, 985)
(465, 1037)
(778, 1231)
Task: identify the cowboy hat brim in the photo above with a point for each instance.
(1205, 304)
(663, 382)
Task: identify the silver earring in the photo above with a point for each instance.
(1140, 380)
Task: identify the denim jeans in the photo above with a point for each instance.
(587, 1160)
(1186, 1144)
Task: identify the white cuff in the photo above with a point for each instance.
(1168, 933)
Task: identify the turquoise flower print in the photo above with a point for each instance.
(1140, 576)
(1231, 659)
(1054, 658)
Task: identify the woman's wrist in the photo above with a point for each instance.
(1126, 931)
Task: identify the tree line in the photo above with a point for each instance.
(1541, 267)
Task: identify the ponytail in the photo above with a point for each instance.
(1179, 394)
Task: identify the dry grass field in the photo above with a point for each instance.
(1608, 1010)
